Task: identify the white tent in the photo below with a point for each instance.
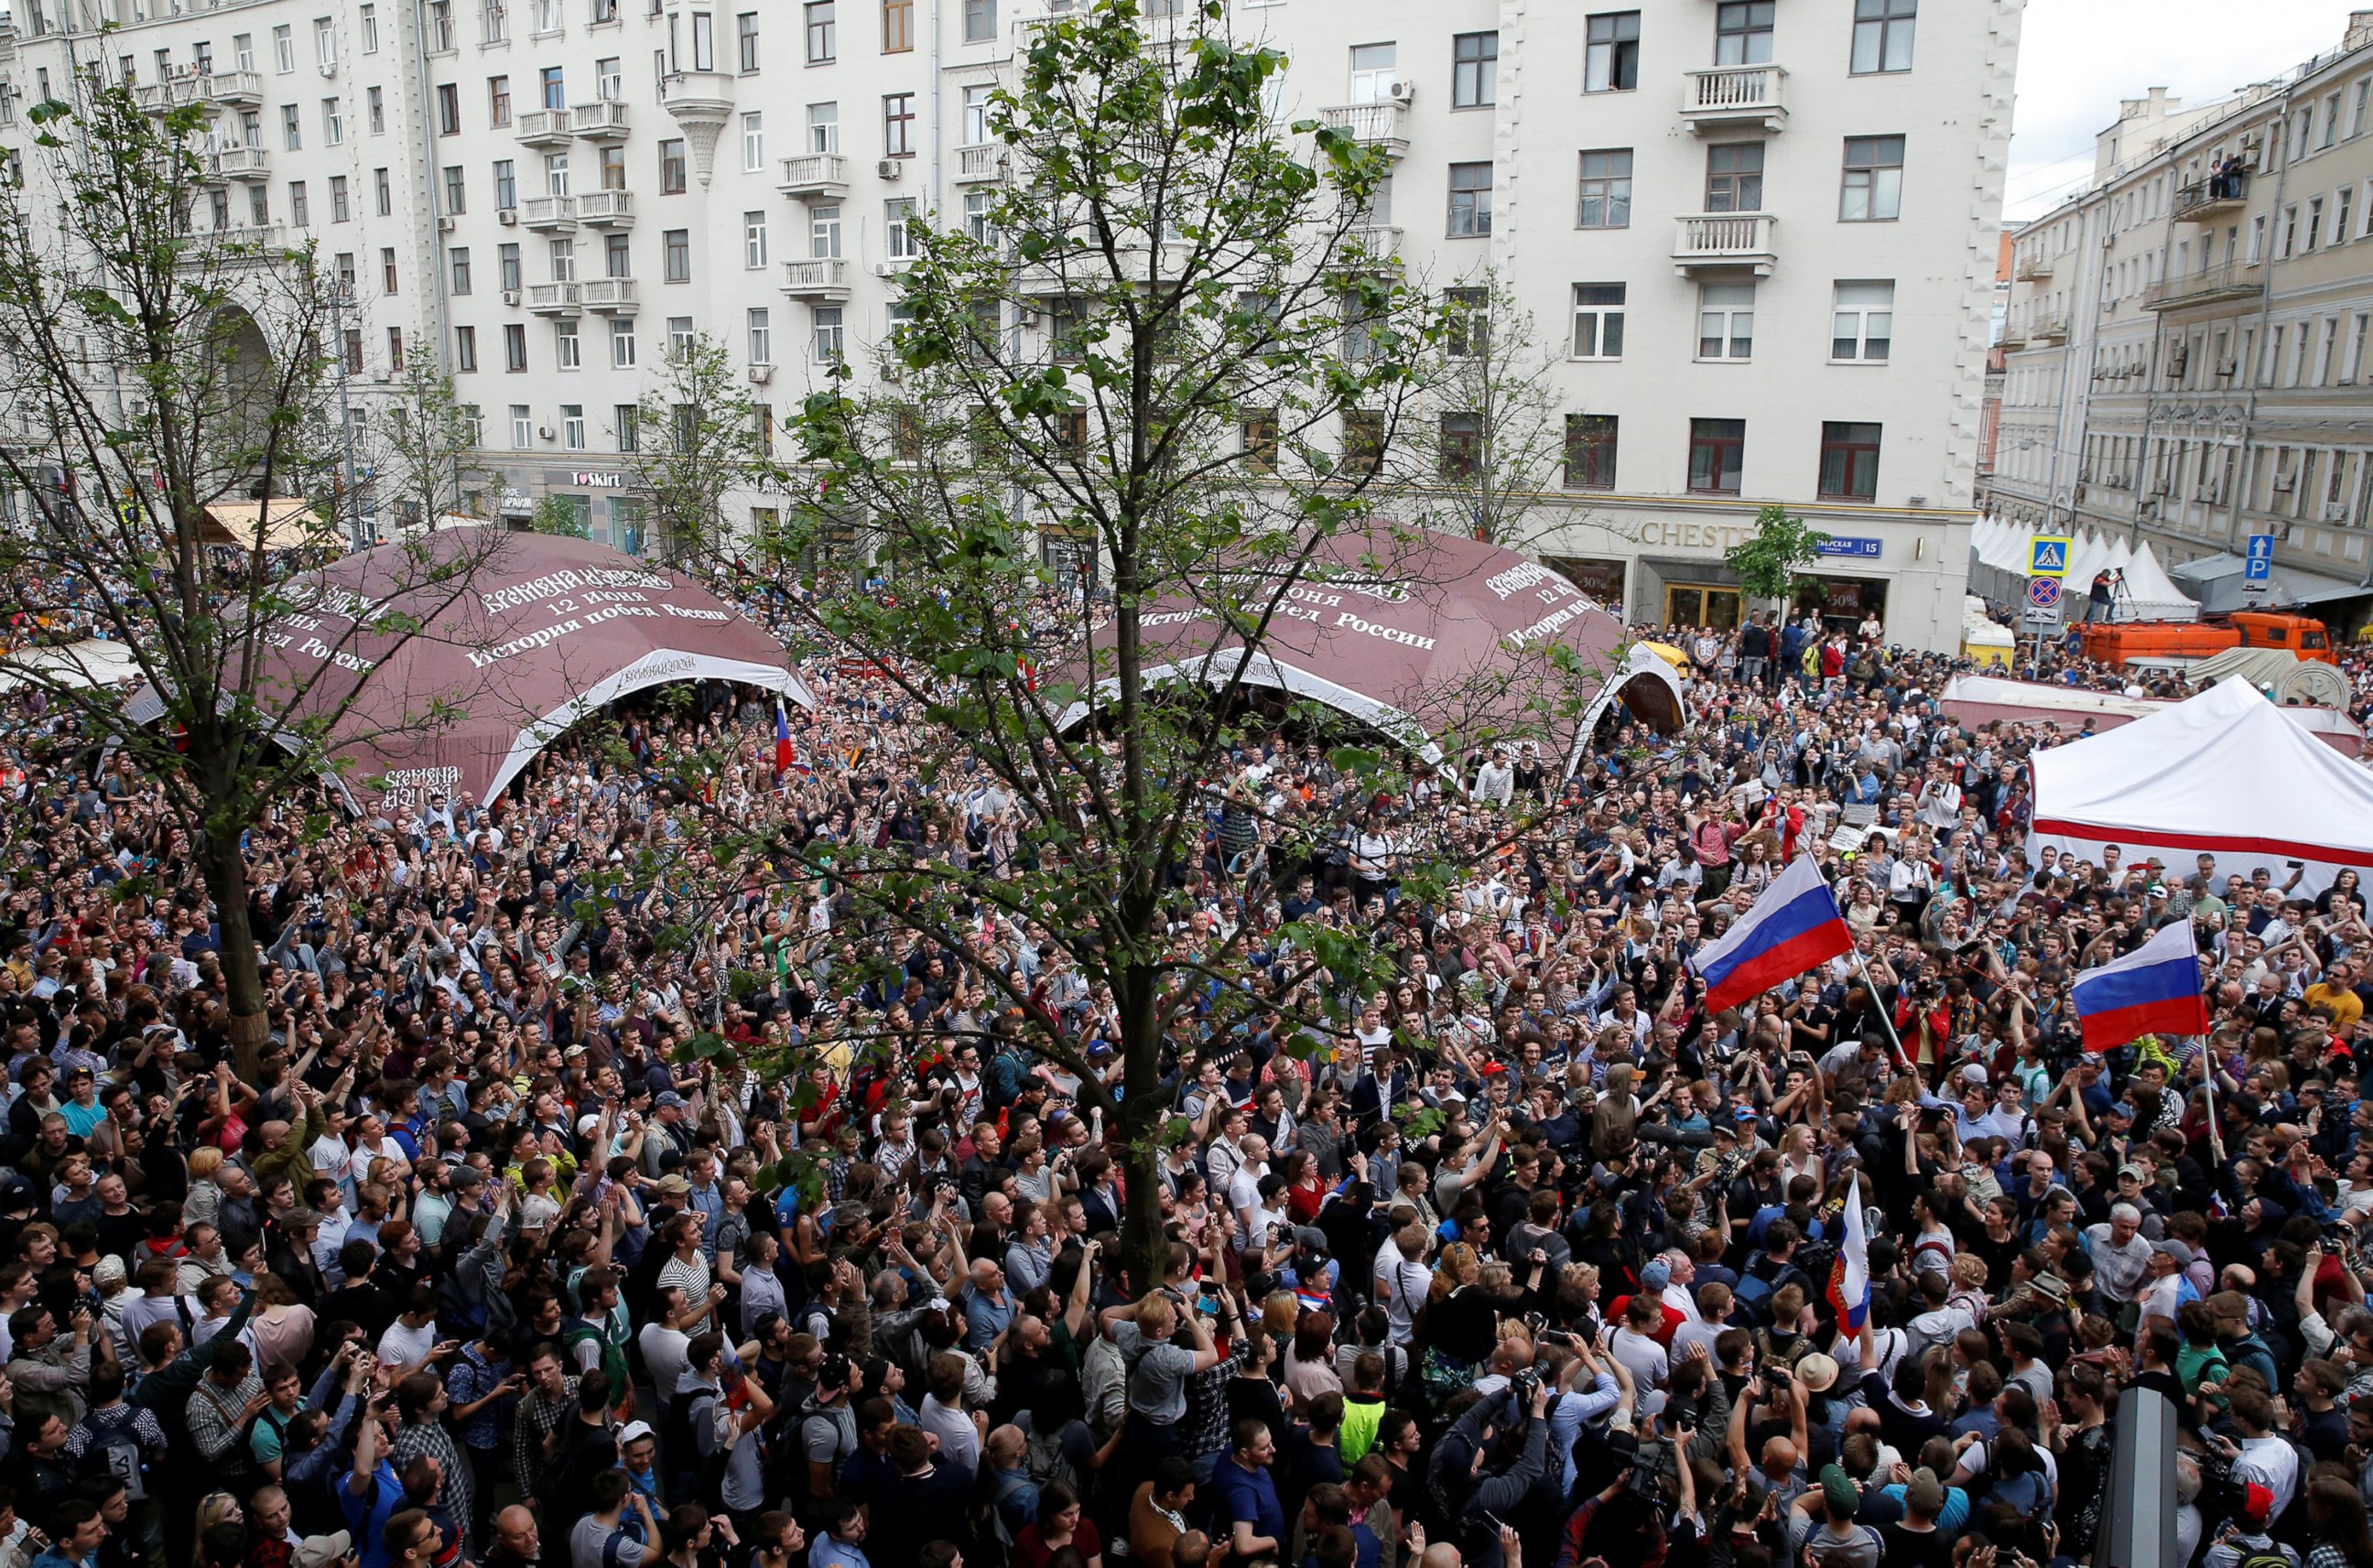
(92, 662)
(2121, 554)
(2223, 773)
(2085, 559)
(2153, 594)
(2009, 549)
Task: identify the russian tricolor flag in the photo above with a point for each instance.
(2155, 989)
(782, 740)
(1850, 1275)
(1793, 928)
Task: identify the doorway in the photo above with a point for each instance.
(1701, 604)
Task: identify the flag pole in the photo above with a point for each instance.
(1886, 1014)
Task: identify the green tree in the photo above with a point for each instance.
(1768, 560)
(698, 435)
(557, 515)
(170, 405)
(424, 444)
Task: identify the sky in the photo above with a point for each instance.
(2077, 58)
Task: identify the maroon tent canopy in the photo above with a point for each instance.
(1415, 634)
(537, 633)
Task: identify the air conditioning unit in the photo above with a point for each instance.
(2335, 512)
(508, 217)
(762, 374)
(2225, 367)
(510, 295)
(2285, 482)
(1402, 91)
(888, 168)
(544, 432)
(444, 225)
(329, 68)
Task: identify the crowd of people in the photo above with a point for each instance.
(1537, 1266)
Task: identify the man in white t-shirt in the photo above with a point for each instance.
(1633, 1343)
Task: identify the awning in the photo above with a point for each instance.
(2219, 582)
(92, 662)
(292, 524)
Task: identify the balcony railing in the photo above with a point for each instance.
(2035, 269)
(822, 277)
(557, 213)
(156, 98)
(544, 127)
(606, 209)
(1382, 124)
(242, 163)
(2230, 280)
(982, 162)
(554, 299)
(1728, 97)
(2048, 327)
(238, 88)
(2203, 200)
(814, 174)
(610, 296)
(1725, 239)
(602, 121)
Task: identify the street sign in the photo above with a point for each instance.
(2047, 555)
(2037, 620)
(2258, 561)
(2044, 593)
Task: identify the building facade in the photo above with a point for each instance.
(1760, 234)
(2186, 348)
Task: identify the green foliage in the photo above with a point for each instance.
(554, 515)
(1767, 561)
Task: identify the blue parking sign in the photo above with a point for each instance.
(2259, 559)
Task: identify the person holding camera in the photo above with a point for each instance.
(1484, 1466)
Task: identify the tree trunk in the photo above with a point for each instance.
(225, 875)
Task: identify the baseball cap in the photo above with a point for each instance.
(468, 1176)
(2257, 1503)
(671, 1186)
(320, 1552)
(1655, 1276)
(2175, 1249)
(1924, 1494)
(2134, 1171)
(668, 1097)
(634, 1431)
(833, 1373)
(1838, 1489)
(1973, 1073)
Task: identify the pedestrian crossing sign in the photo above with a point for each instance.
(2047, 555)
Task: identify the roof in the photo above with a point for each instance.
(292, 524)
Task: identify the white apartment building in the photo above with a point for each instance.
(2187, 341)
(1760, 233)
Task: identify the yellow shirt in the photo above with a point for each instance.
(2346, 1008)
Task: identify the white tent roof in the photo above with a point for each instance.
(2007, 549)
(2154, 592)
(2085, 559)
(2223, 773)
(92, 662)
(2121, 553)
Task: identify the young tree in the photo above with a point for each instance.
(424, 443)
(555, 515)
(1768, 560)
(171, 407)
(697, 437)
(1171, 348)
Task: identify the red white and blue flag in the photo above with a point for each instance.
(1793, 928)
(782, 740)
(1850, 1275)
(2155, 989)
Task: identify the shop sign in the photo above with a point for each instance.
(1858, 549)
(516, 503)
(599, 481)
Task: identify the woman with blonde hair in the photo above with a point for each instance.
(1461, 1323)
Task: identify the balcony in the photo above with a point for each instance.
(610, 296)
(825, 277)
(543, 128)
(605, 120)
(157, 98)
(1736, 97)
(814, 174)
(2204, 201)
(606, 209)
(2013, 340)
(554, 214)
(554, 299)
(241, 163)
(981, 163)
(2035, 269)
(235, 89)
(2233, 280)
(2048, 329)
(1384, 124)
(700, 102)
(1724, 241)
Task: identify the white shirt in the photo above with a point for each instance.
(667, 1355)
(2273, 1464)
(1645, 1359)
(405, 1346)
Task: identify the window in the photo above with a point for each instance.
(754, 140)
(2363, 106)
(466, 349)
(1363, 442)
(284, 49)
(563, 253)
(291, 133)
(609, 80)
(676, 244)
(671, 166)
(829, 342)
(1873, 189)
(368, 18)
(897, 228)
(1474, 70)
(618, 257)
(823, 32)
(1590, 451)
(704, 41)
(259, 205)
(395, 349)
(553, 85)
(762, 339)
(334, 122)
(1717, 449)
(514, 346)
(745, 32)
(1864, 320)
(2340, 201)
(377, 104)
(2331, 121)
(1598, 320)
(326, 44)
(898, 124)
(980, 20)
(980, 218)
(242, 51)
(1612, 61)
(614, 167)
(754, 238)
(498, 101)
(352, 345)
(459, 257)
(2314, 223)
(1742, 32)
(506, 184)
(1882, 35)
(493, 22)
(547, 15)
(680, 336)
(455, 193)
(341, 208)
(1374, 65)
(387, 269)
(1467, 322)
(1735, 177)
(555, 174)
(1260, 435)
(506, 258)
(897, 26)
(824, 127)
(1460, 448)
(299, 211)
(522, 426)
(1726, 320)
(976, 114)
(626, 420)
(572, 426)
(622, 343)
(1605, 190)
(824, 232)
(1470, 200)
(1849, 461)
(565, 351)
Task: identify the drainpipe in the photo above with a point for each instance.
(2282, 127)
(934, 127)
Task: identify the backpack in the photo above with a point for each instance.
(114, 1451)
(613, 1355)
(690, 1475)
(1043, 1455)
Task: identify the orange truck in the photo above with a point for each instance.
(2125, 642)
